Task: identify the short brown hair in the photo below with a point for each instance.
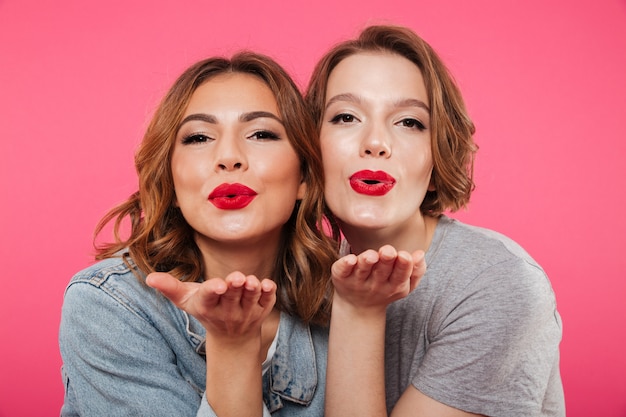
(452, 144)
(160, 238)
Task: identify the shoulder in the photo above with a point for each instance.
(110, 280)
(98, 273)
(484, 245)
(478, 251)
(473, 263)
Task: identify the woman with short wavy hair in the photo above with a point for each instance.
(480, 333)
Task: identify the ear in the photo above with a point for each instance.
(301, 190)
(431, 182)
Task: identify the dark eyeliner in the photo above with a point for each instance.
(416, 123)
(340, 118)
(265, 135)
(194, 138)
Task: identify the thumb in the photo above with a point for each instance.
(419, 268)
(167, 285)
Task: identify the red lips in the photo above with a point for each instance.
(374, 183)
(231, 196)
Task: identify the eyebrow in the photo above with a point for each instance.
(343, 97)
(412, 102)
(408, 102)
(245, 117)
(248, 117)
(199, 116)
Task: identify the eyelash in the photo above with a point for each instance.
(416, 124)
(345, 118)
(264, 135)
(202, 138)
(340, 118)
(195, 138)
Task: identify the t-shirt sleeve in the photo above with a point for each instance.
(493, 345)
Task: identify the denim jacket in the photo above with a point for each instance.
(128, 351)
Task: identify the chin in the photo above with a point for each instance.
(369, 222)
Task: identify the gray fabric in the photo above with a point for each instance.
(481, 332)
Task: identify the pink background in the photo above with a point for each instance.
(545, 82)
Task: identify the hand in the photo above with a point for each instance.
(375, 279)
(229, 308)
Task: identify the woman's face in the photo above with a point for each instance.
(375, 140)
(236, 175)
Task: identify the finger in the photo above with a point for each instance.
(402, 268)
(209, 293)
(365, 262)
(161, 281)
(419, 262)
(383, 269)
(176, 291)
(268, 294)
(342, 268)
(235, 280)
(419, 268)
(232, 297)
(251, 292)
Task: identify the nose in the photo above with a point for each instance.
(227, 165)
(376, 143)
(229, 155)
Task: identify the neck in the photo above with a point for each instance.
(222, 258)
(417, 235)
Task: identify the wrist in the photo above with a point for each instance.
(241, 344)
(357, 313)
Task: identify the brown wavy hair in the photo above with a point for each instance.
(453, 147)
(161, 240)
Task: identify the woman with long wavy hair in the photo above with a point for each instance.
(216, 301)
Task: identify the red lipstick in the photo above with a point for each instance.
(374, 183)
(231, 196)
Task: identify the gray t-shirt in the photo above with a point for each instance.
(481, 332)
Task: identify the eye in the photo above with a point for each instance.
(413, 124)
(264, 135)
(195, 138)
(343, 118)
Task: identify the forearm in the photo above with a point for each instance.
(355, 380)
(232, 310)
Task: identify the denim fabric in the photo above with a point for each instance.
(128, 351)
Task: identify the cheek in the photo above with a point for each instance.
(186, 173)
(420, 167)
(333, 167)
(276, 166)
(333, 156)
(281, 170)
(416, 155)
